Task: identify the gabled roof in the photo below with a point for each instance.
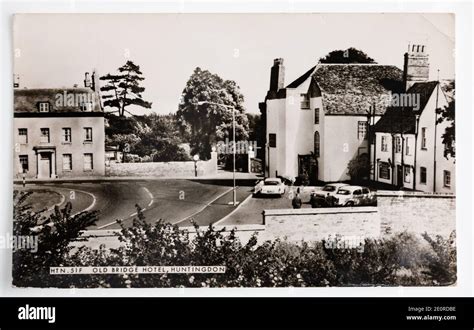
(61, 100)
(301, 79)
(352, 88)
(403, 119)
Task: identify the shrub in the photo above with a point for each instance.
(400, 259)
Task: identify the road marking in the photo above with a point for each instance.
(150, 195)
(204, 207)
(233, 211)
(63, 198)
(94, 200)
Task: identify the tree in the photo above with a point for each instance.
(205, 113)
(359, 167)
(161, 140)
(123, 89)
(447, 114)
(350, 55)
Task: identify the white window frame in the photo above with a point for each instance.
(86, 163)
(86, 140)
(23, 138)
(44, 106)
(384, 144)
(305, 101)
(423, 138)
(65, 135)
(43, 137)
(447, 179)
(67, 168)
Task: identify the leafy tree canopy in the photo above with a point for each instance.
(205, 113)
(123, 89)
(350, 55)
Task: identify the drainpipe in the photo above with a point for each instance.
(435, 128)
(417, 118)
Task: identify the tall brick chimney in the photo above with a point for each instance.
(277, 75)
(416, 66)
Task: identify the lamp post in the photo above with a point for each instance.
(234, 197)
(195, 158)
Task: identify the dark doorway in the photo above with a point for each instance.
(308, 166)
(399, 176)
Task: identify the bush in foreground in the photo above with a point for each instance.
(401, 259)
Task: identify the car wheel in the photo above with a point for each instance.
(350, 204)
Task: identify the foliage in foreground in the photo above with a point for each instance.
(401, 259)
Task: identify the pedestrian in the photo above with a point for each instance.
(296, 201)
(330, 200)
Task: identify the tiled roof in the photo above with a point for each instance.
(352, 88)
(60, 100)
(403, 119)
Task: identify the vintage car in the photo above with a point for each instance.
(270, 186)
(330, 188)
(355, 196)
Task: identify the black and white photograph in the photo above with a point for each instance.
(234, 150)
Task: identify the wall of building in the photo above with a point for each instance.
(77, 148)
(395, 157)
(425, 157)
(164, 169)
(275, 122)
(341, 145)
(299, 128)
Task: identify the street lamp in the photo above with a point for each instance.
(195, 158)
(234, 197)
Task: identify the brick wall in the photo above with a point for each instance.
(417, 212)
(317, 224)
(164, 169)
(396, 212)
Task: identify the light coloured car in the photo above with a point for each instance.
(270, 186)
(355, 196)
(330, 188)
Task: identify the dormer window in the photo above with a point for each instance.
(43, 106)
(86, 106)
(304, 101)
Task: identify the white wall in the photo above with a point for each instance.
(425, 158)
(341, 145)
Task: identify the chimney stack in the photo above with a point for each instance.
(416, 66)
(277, 75)
(87, 80)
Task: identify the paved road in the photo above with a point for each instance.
(250, 212)
(171, 200)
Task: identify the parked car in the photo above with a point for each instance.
(330, 188)
(270, 186)
(355, 195)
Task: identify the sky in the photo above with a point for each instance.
(55, 50)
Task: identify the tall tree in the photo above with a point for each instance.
(447, 114)
(205, 113)
(123, 89)
(350, 55)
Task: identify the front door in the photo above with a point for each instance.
(44, 165)
(399, 176)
